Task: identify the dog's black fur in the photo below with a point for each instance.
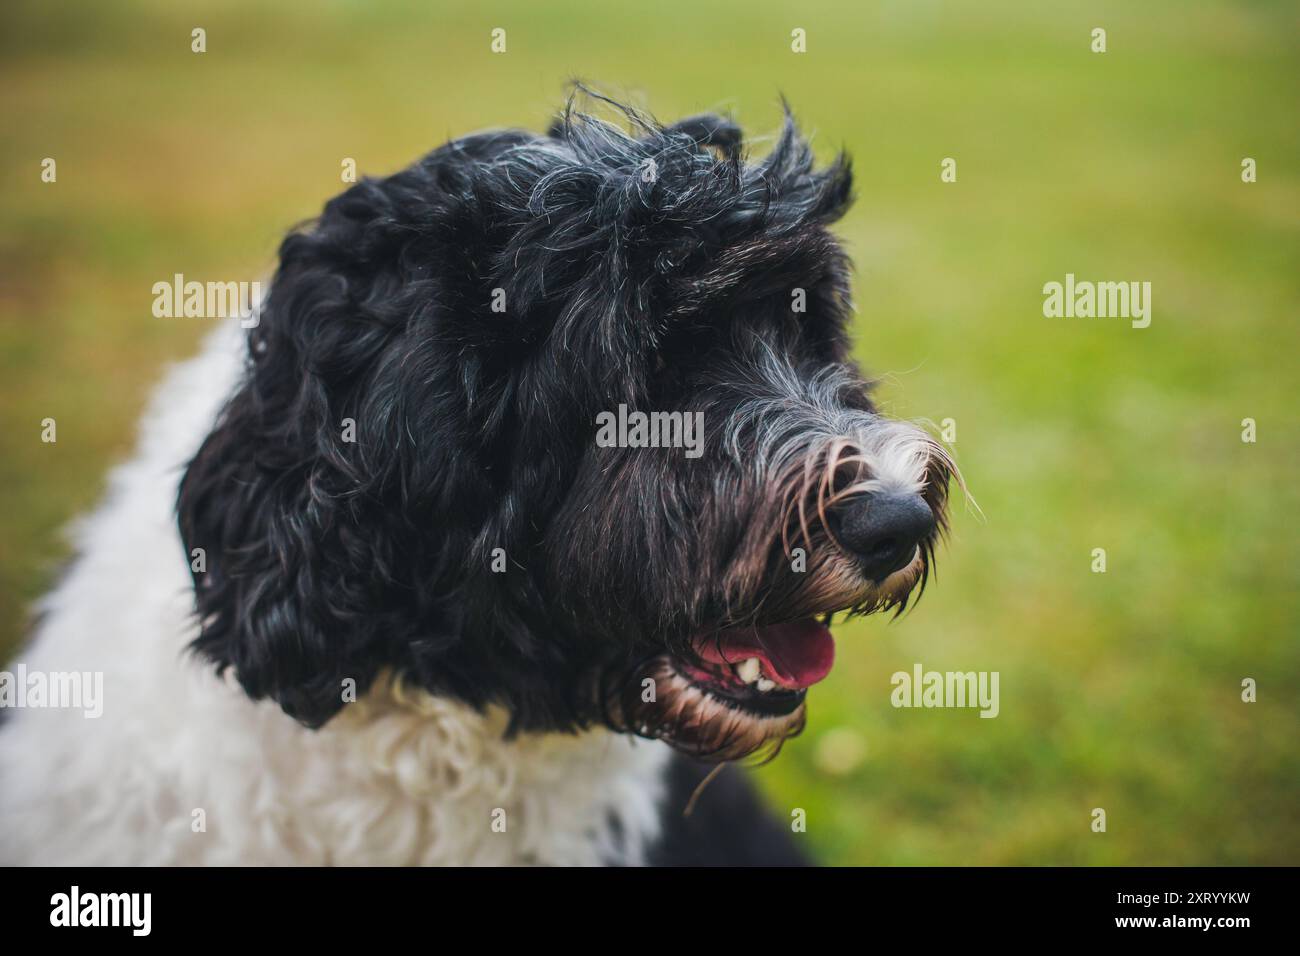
(651, 268)
(728, 824)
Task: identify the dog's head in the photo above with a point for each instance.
(565, 423)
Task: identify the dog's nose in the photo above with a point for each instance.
(883, 531)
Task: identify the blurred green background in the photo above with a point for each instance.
(1118, 690)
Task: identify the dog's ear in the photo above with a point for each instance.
(357, 488)
(301, 571)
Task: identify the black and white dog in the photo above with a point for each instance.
(533, 491)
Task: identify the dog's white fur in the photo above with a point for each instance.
(397, 778)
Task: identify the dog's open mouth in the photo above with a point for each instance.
(765, 671)
(741, 690)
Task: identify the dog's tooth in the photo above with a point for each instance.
(749, 670)
(765, 685)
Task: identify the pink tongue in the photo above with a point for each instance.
(795, 655)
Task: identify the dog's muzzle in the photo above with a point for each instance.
(849, 524)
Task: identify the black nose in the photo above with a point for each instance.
(883, 530)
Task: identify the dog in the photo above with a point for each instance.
(405, 608)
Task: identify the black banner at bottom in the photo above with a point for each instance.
(332, 906)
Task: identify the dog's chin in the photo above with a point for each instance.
(743, 689)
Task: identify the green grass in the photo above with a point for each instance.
(1118, 690)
